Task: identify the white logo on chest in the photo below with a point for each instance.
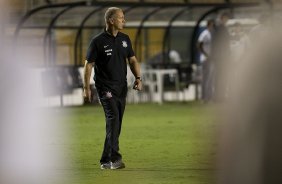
(124, 44)
(108, 51)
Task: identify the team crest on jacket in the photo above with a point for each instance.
(124, 44)
(108, 94)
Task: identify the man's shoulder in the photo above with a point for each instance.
(98, 37)
(123, 35)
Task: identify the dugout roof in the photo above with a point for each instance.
(50, 16)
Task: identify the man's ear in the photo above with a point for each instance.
(111, 20)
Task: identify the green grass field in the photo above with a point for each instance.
(173, 143)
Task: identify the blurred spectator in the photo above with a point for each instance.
(204, 46)
(29, 134)
(250, 144)
(240, 42)
(220, 54)
(240, 45)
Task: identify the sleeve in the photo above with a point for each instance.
(92, 51)
(130, 49)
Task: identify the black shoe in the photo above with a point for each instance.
(106, 165)
(117, 165)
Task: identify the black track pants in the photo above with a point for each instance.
(114, 108)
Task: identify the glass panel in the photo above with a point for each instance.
(43, 17)
(74, 17)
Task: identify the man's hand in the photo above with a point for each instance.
(137, 85)
(87, 94)
(135, 68)
(87, 73)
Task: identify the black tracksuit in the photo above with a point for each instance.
(110, 54)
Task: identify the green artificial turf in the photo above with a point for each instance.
(173, 143)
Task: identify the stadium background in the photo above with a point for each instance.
(177, 145)
(61, 34)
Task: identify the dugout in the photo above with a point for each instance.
(60, 30)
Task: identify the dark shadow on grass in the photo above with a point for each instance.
(166, 169)
(127, 169)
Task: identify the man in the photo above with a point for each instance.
(220, 56)
(250, 138)
(204, 46)
(108, 53)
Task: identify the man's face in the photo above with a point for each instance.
(118, 20)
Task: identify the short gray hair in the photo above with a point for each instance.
(110, 13)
